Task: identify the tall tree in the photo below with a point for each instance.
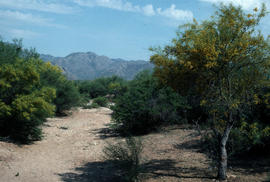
(224, 61)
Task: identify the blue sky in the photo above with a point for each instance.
(114, 28)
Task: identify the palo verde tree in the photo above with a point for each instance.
(224, 62)
(24, 103)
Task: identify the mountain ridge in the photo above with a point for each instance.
(89, 66)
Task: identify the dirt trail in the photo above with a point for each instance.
(68, 143)
(71, 151)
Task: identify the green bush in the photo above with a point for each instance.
(91, 106)
(24, 102)
(102, 86)
(30, 91)
(101, 101)
(246, 139)
(67, 94)
(9, 52)
(126, 156)
(146, 106)
(97, 102)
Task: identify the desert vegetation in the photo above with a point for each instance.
(213, 78)
(31, 90)
(219, 69)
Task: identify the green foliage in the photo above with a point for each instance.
(24, 103)
(91, 106)
(96, 103)
(145, 106)
(9, 52)
(127, 156)
(67, 95)
(218, 60)
(100, 101)
(224, 62)
(247, 139)
(29, 91)
(102, 86)
(97, 89)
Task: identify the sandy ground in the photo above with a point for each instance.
(68, 143)
(71, 151)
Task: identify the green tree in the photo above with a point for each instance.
(67, 95)
(224, 61)
(24, 103)
(145, 106)
(29, 91)
(102, 86)
(9, 52)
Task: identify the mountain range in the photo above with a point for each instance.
(89, 66)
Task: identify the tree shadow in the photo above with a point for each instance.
(8, 139)
(105, 132)
(94, 172)
(250, 164)
(246, 164)
(193, 144)
(170, 168)
(105, 171)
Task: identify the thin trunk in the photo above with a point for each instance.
(222, 168)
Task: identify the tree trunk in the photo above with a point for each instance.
(222, 167)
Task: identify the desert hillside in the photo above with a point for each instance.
(89, 66)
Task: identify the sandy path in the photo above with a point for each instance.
(69, 142)
(72, 152)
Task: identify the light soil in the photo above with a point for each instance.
(71, 151)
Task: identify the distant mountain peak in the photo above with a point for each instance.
(82, 54)
(89, 65)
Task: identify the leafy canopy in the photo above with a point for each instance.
(223, 60)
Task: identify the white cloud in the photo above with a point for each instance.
(113, 4)
(174, 13)
(19, 33)
(246, 4)
(37, 5)
(118, 5)
(147, 10)
(23, 33)
(16, 16)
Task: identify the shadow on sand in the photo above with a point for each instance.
(108, 172)
(246, 164)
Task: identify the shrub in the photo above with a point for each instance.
(146, 106)
(102, 86)
(24, 103)
(9, 52)
(126, 156)
(245, 139)
(97, 102)
(91, 106)
(100, 101)
(67, 95)
(29, 91)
